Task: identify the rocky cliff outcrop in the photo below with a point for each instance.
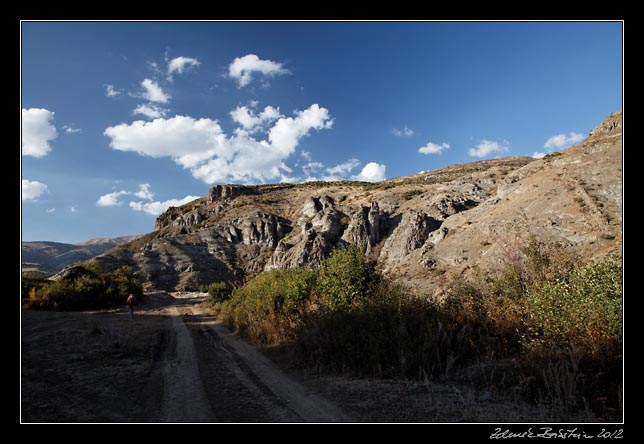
(411, 234)
(422, 227)
(179, 217)
(229, 192)
(320, 227)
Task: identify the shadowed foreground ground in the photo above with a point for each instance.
(175, 363)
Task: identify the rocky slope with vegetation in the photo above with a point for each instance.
(423, 227)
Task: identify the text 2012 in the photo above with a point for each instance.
(549, 433)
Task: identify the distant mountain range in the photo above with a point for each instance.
(50, 257)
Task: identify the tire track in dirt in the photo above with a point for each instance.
(212, 375)
(184, 398)
(291, 400)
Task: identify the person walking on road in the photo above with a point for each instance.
(131, 302)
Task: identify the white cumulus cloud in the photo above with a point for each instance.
(343, 168)
(250, 121)
(405, 132)
(287, 132)
(110, 91)
(50, 210)
(433, 148)
(37, 131)
(188, 141)
(487, 147)
(181, 64)
(201, 145)
(150, 110)
(156, 208)
(561, 141)
(153, 92)
(538, 155)
(144, 192)
(372, 172)
(243, 68)
(111, 199)
(306, 155)
(244, 159)
(71, 130)
(311, 168)
(32, 189)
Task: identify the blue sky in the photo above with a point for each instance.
(120, 120)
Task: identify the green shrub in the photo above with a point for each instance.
(30, 283)
(583, 310)
(88, 291)
(411, 194)
(357, 341)
(118, 285)
(217, 292)
(560, 322)
(270, 307)
(393, 335)
(347, 278)
(93, 266)
(545, 301)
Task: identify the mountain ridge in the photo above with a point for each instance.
(421, 227)
(47, 257)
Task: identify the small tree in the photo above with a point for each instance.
(218, 292)
(347, 277)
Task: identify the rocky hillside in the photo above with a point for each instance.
(421, 227)
(50, 257)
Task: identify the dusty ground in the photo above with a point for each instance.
(171, 363)
(174, 363)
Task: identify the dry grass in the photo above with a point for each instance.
(425, 401)
(87, 367)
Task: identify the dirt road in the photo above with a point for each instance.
(211, 375)
(172, 363)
